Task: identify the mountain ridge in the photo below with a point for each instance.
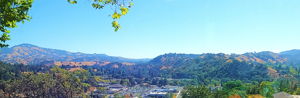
(202, 67)
(32, 54)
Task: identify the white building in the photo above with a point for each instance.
(285, 95)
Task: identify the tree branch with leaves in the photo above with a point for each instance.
(15, 11)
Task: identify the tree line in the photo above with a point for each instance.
(239, 89)
(34, 81)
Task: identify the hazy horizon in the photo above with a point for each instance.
(151, 57)
(156, 27)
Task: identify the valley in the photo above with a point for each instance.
(158, 76)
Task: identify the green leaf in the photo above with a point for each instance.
(116, 25)
(131, 4)
(116, 15)
(97, 6)
(107, 1)
(72, 1)
(124, 10)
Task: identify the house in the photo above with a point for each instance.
(215, 88)
(91, 89)
(161, 93)
(116, 88)
(285, 95)
(102, 84)
(281, 95)
(157, 94)
(295, 96)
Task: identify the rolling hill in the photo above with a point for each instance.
(202, 67)
(33, 55)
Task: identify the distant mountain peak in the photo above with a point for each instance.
(25, 45)
(267, 52)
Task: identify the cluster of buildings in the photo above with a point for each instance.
(164, 92)
(105, 90)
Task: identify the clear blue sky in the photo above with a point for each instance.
(155, 27)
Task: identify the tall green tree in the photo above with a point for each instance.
(58, 83)
(235, 88)
(197, 92)
(267, 89)
(12, 12)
